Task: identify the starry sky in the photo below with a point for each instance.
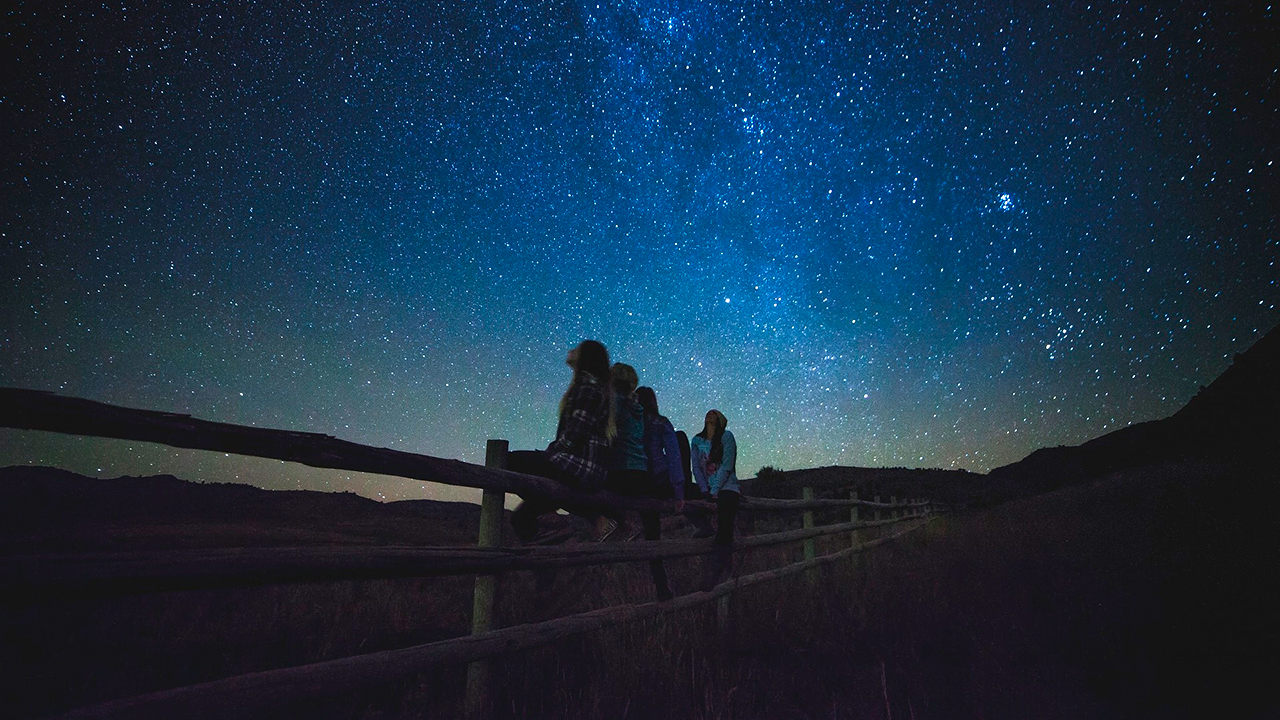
(913, 234)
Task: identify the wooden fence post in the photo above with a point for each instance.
(893, 511)
(853, 517)
(480, 672)
(810, 545)
(877, 500)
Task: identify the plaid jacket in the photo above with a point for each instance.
(581, 447)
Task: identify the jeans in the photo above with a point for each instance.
(524, 519)
(714, 566)
(638, 483)
(726, 516)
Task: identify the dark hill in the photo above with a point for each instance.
(46, 509)
(1235, 418)
(838, 481)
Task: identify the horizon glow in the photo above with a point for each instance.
(885, 235)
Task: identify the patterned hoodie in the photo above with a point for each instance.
(714, 477)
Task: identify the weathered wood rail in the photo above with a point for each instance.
(256, 691)
(38, 410)
(25, 579)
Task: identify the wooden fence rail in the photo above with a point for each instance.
(36, 577)
(241, 694)
(38, 410)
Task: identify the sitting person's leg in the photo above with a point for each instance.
(621, 482)
(653, 531)
(722, 549)
(726, 516)
(700, 518)
(524, 519)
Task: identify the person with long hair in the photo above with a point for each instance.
(579, 455)
(663, 479)
(629, 474)
(714, 455)
(662, 449)
(700, 518)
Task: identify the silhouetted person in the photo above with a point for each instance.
(579, 456)
(665, 477)
(700, 518)
(630, 473)
(714, 455)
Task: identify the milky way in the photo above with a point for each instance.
(898, 234)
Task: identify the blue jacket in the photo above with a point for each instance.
(713, 478)
(663, 451)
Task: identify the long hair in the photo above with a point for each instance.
(648, 400)
(591, 358)
(719, 423)
(624, 379)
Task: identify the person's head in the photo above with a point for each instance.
(714, 424)
(713, 430)
(624, 379)
(648, 400)
(589, 357)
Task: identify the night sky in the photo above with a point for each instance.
(880, 234)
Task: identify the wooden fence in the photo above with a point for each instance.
(34, 578)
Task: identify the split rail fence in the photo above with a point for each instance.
(30, 579)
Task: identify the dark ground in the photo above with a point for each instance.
(1142, 594)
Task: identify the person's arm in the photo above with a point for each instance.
(671, 450)
(727, 463)
(685, 468)
(699, 466)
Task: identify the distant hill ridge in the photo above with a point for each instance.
(50, 509)
(1236, 418)
(837, 481)
(1247, 394)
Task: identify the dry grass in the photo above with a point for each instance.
(1136, 596)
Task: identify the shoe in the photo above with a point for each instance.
(525, 527)
(552, 537)
(703, 532)
(633, 533)
(605, 528)
(713, 566)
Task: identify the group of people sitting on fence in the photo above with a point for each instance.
(612, 436)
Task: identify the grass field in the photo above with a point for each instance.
(1139, 595)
